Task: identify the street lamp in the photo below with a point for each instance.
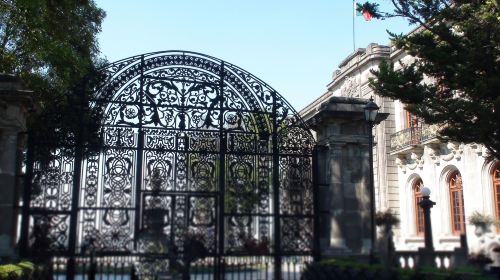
(371, 111)
(426, 205)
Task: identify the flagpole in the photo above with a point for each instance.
(353, 25)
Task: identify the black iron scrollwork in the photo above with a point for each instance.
(193, 146)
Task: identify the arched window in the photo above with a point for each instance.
(456, 203)
(495, 176)
(419, 212)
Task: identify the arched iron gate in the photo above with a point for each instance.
(200, 160)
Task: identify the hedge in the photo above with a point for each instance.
(341, 269)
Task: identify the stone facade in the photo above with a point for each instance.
(15, 103)
(403, 155)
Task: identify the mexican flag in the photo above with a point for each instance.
(367, 10)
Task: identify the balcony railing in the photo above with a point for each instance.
(429, 132)
(406, 138)
(413, 136)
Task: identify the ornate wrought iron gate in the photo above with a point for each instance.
(196, 152)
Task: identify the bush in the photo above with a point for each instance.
(386, 218)
(346, 269)
(479, 219)
(22, 270)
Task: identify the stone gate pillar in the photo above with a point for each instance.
(343, 162)
(15, 103)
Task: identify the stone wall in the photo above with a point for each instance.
(15, 103)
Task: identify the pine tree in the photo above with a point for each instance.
(454, 80)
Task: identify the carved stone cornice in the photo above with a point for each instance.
(401, 162)
(434, 152)
(359, 59)
(411, 161)
(415, 160)
(479, 149)
(452, 150)
(350, 87)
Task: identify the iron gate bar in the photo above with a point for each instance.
(181, 80)
(316, 220)
(208, 152)
(172, 209)
(256, 112)
(222, 176)
(24, 234)
(276, 195)
(48, 212)
(75, 193)
(139, 156)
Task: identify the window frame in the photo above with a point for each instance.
(411, 120)
(455, 185)
(495, 184)
(417, 186)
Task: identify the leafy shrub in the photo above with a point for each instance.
(21, 270)
(386, 218)
(479, 219)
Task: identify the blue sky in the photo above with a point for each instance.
(292, 45)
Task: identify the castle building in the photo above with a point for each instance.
(407, 156)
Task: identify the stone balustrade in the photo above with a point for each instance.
(441, 259)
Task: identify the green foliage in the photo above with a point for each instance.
(17, 271)
(386, 218)
(52, 46)
(482, 219)
(454, 80)
(479, 259)
(241, 198)
(345, 269)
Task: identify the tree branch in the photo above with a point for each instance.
(424, 24)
